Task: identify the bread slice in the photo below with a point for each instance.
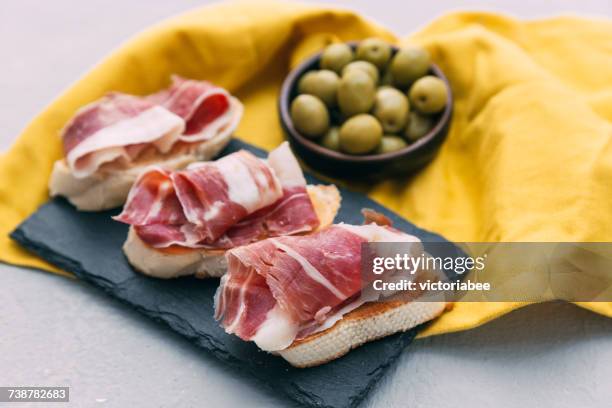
(204, 263)
(103, 191)
(368, 322)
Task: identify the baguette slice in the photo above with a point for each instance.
(204, 263)
(103, 191)
(369, 322)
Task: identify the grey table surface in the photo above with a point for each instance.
(57, 331)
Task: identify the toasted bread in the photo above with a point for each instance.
(369, 322)
(203, 263)
(102, 191)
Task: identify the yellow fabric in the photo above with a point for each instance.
(528, 156)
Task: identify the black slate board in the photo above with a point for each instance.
(89, 246)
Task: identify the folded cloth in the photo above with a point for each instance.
(528, 157)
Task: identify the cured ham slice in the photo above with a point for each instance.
(119, 128)
(282, 289)
(292, 214)
(116, 128)
(233, 201)
(206, 109)
(154, 201)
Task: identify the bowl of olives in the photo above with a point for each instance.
(366, 109)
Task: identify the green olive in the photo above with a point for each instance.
(360, 134)
(307, 81)
(336, 56)
(356, 93)
(418, 126)
(429, 94)
(409, 64)
(310, 116)
(390, 143)
(331, 139)
(365, 66)
(391, 109)
(374, 50)
(323, 84)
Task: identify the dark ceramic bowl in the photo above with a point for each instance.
(373, 166)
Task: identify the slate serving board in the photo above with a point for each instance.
(89, 246)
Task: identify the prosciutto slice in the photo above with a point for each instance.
(206, 109)
(233, 201)
(282, 289)
(119, 127)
